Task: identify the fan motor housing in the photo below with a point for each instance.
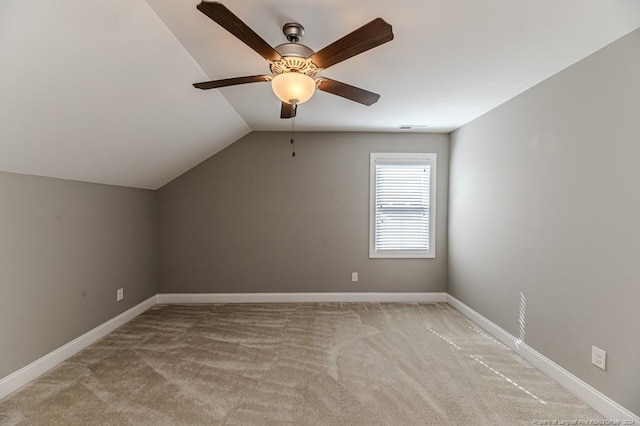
(296, 50)
(295, 58)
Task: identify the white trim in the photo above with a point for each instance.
(301, 297)
(18, 379)
(597, 400)
(412, 157)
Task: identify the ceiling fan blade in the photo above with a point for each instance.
(230, 82)
(288, 110)
(348, 92)
(367, 37)
(230, 22)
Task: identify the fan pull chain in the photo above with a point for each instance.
(293, 136)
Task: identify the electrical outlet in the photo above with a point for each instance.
(119, 294)
(354, 276)
(598, 357)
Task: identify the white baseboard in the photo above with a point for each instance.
(597, 400)
(186, 298)
(18, 379)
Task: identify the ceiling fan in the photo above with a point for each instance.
(294, 66)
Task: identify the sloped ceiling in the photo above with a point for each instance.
(100, 90)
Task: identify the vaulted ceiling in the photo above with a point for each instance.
(100, 90)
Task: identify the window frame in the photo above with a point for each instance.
(389, 158)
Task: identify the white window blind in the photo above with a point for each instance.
(402, 205)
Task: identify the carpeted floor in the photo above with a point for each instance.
(301, 364)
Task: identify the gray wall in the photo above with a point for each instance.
(254, 219)
(65, 247)
(544, 200)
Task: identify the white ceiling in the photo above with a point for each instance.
(100, 90)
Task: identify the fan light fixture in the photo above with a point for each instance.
(293, 65)
(293, 87)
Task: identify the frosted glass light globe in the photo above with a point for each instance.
(293, 87)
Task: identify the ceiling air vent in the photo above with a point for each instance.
(413, 126)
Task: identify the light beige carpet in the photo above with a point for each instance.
(301, 364)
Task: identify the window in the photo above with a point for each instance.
(402, 211)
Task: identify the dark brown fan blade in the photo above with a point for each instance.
(349, 92)
(367, 37)
(230, 82)
(230, 22)
(288, 110)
